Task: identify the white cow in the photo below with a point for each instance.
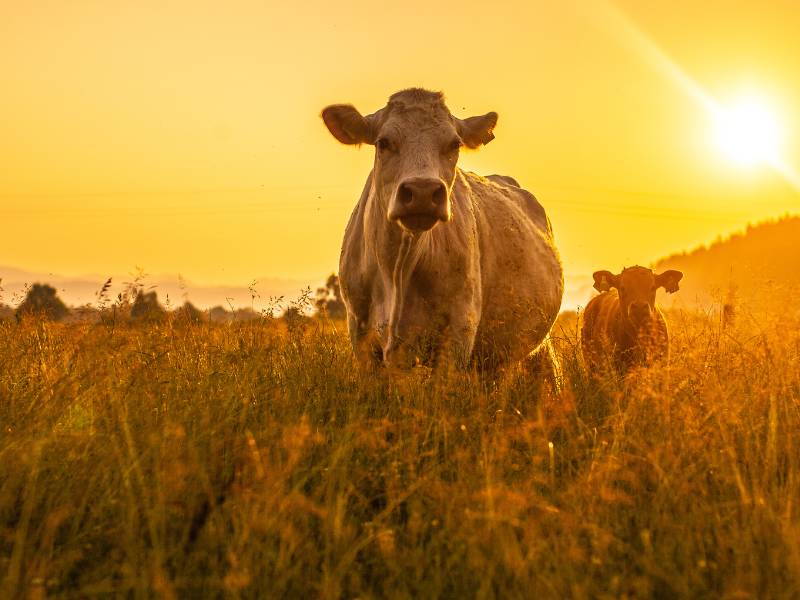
(439, 264)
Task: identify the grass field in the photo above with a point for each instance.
(248, 460)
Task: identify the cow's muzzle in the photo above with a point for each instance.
(420, 203)
(639, 312)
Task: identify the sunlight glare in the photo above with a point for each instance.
(747, 132)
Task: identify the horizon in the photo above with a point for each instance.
(81, 290)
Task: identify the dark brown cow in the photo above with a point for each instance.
(623, 325)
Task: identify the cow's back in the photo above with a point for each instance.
(509, 187)
(521, 277)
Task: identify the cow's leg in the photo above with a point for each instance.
(543, 365)
(366, 343)
(456, 342)
(442, 347)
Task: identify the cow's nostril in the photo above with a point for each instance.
(439, 195)
(405, 195)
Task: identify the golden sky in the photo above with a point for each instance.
(185, 137)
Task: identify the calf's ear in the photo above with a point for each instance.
(669, 280)
(605, 280)
(347, 125)
(477, 131)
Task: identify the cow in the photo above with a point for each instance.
(439, 265)
(623, 326)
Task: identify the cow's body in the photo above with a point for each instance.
(438, 263)
(608, 338)
(623, 326)
(486, 286)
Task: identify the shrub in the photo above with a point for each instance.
(146, 307)
(42, 300)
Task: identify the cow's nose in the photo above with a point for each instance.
(420, 203)
(421, 191)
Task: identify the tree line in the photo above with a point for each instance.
(137, 305)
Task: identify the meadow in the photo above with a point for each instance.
(253, 460)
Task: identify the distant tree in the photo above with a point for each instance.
(42, 300)
(328, 299)
(292, 313)
(295, 320)
(219, 315)
(189, 313)
(146, 307)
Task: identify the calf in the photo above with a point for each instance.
(623, 323)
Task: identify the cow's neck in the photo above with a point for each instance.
(405, 262)
(398, 252)
(390, 243)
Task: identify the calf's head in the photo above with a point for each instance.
(417, 143)
(637, 290)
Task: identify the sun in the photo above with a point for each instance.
(747, 132)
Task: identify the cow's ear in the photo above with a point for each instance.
(669, 280)
(347, 125)
(605, 280)
(476, 131)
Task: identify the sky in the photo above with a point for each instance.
(185, 137)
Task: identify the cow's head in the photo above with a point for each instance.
(417, 142)
(637, 290)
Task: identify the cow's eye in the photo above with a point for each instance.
(454, 145)
(384, 143)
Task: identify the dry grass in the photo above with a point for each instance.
(245, 460)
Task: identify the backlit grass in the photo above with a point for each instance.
(250, 460)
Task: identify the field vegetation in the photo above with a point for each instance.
(182, 458)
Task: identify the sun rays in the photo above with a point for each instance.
(747, 131)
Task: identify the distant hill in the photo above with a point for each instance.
(759, 267)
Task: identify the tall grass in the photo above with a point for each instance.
(246, 460)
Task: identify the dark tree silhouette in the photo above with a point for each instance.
(42, 300)
(189, 313)
(295, 320)
(146, 307)
(328, 299)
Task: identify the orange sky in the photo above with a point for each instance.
(185, 136)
